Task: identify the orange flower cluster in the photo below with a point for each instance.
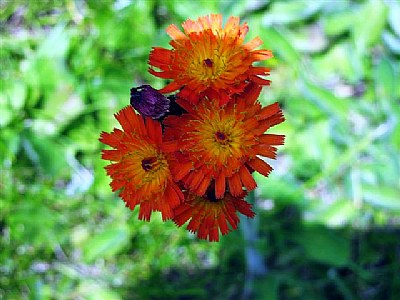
(191, 155)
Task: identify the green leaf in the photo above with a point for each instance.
(396, 137)
(61, 107)
(106, 243)
(394, 13)
(324, 245)
(38, 290)
(369, 24)
(93, 291)
(340, 60)
(266, 288)
(307, 39)
(34, 224)
(56, 44)
(101, 184)
(291, 11)
(385, 80)
(16, 95)
(9, 145)
(6, 113)
(238, 8)
(12, 99)
(339, 213)
(326, 100)
(48, 155)
(392, 42)
(192, 9)
(280, 46)
(386, 197)
(278, 189)
(339, 23)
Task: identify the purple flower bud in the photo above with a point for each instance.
(149, 102)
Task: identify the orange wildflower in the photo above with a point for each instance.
(140, 168)
(209, 60)
(223, 143)
(209, 216)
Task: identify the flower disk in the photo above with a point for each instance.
(223, 144)
(209, 60)
(140, 167)
(208, 217)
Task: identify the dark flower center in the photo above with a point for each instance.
(149, 163)
(221, 137)
(208, 62)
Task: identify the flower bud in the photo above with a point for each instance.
(149, 102)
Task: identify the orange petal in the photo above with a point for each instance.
(130, 121)
(232, 24)
(269, 111)
(265, 150)
(154, 130)
(220, 186)
(261, 54)
(235, 185)
(160, 57)
(246, 178)
(113, 155)
(201, 190)
(223, 226)
(244, 208)
(112, 139)
(182, 170)
(260, 166)
(260, 81)
(170, 146)
(174, 32)
(169, 88)
(253, 44)
(162, 74)
(272, 139)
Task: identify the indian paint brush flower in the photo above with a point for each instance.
(191, 155)
(223, 144)
(209, 60)
(210, 216)
(140, 165)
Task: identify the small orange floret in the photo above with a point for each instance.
(209, 216)
(140, 165)
(209, 60)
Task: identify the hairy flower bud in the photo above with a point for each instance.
(149, 102)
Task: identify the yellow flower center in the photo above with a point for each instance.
(147, 166)
(221, 138)
(206, 65)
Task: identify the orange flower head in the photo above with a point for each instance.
(209, 60)
(140, 165)
(224, 143)
(210, 216)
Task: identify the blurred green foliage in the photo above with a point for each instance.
(328, 216)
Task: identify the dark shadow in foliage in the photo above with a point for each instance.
(224, 281)
(316, 262)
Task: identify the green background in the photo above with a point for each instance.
(327, 224)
